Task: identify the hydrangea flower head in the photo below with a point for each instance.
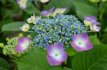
(56, 54)
(81, 42)
(57, 29)
(22, 3)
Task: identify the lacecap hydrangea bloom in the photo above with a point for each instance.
(58, 29)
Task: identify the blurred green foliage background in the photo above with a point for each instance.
(12, 17)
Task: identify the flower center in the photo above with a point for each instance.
(80, 43)
(56, 54)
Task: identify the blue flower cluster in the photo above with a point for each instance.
(57, 29)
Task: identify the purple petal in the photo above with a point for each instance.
(22, 7)
(52, 9)
(47, 12)
(23, 40)
(81, 42)
(17, 1)
(75, 37)
(96, 23)
(95, 28)
(19, 48)
(90, 18)
(52, 61)
(53, 47)
(44, 13)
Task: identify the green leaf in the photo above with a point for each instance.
(3, 2)
(59, 68)
(31, 9)
(60, 3)
(67, 69)
(35, 60)
(12, 1)
(94, 40)
(95, 59)
(3, 65)
(13, 26)
(70, 51)
(8, 12)
(103, 7)
(104, 38)
(83, 9)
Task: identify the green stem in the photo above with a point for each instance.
(101, 11)
(100, 17)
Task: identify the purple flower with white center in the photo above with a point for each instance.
(81, 42)
(23, 44)
(22, 3)
(91, 21)
(56, 54)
